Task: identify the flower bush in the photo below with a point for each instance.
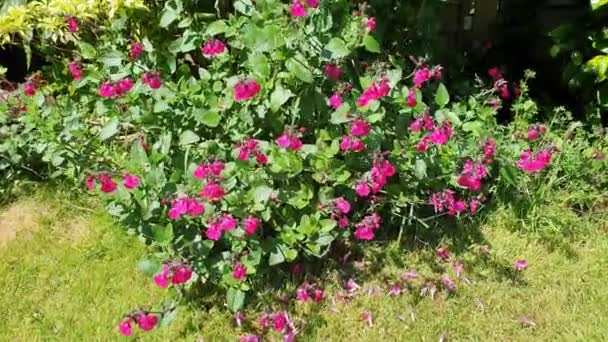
(245, 143)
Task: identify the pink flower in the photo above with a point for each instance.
(335, 101)
(365, 230)
(368, 318)
(162, 279)
(239, 318)
(261, 158)
(29, 89)
(251, 225)
(125, 327)
(458, 268)
(342, 205)
(217, 167)
(495, 73)
(373, 92)
(441, 135)
(75, 70)
(90, 182)
(521, 265)
(318, 295)
(124, 86)
(421, 76)
(360, 127)
(181, 274)
(107, 184)
(107, 89)
(213, 47)
(474, 206)
(362, 189)
(504, 92)
(448, 283)
(333, 72)
(213, 191)
(358, 145)
(529, 163)
(246, 90)
(345, 143)
(489, 150)
(443, 253)
(472, 174)
(146, 321)
(130, 181)
(411, 99)
(72, 24)
(351, 286)
(290, 141)
(213, 233)
(370, 24)
(437, 72)
(532, 133)
(343, 222)
(395, 290)
(422, 145)
(227, 223)
(297, 10)
(201, 171)
(135, 50)
(284, 140)
(249, 338)
(313, 3)
(152, 79)
(279, 321)
(302, 295)
(194, 207)
(239, 271)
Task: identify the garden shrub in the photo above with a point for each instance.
(239, 145)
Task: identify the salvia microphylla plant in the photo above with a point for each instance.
(260, 139)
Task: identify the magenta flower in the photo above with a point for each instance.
(357, 145)
(125, 327)
(213, 47)
(472, 175)
(441, 135)
(345, 143)
(181, 274)
(362, 189)
(90, 182)
(343, 222)
(411, 99)
(75, 70)
(297, 10)
(217, 167)
(313, 3)
(342, 205)
(302, 295)
(194, 207)
(335, 101)
(504, 92)
(368, 318)
(162, 279)
(437, 73)
(280, 321)
(227, 223)
(239, 318)
(146, 321)
(370, 24)
(333, 72)
(351, 286)
(260, 158)
(374, 92)
(290, 141)
(532, 133)
(239, 271)
(448, 283)
(495, 73)
(423, 145)
(318, 295)
(249, 338)
(264, 321)
(251, 225)
(130, 181)
(124, 86)
(284, 140)
(246, 90)
(107, 89)
(72, 24)
(365, 230)
(443, 253)
(474, 206)
(458, 268)
(395, 290)
(107, 184)
(152, 79)
(360, 128)
(521, 265)
(489, 150)
(534, 163)
(135, 50)
(213, 191)
(213, 233)
(29, 89)
(421, 76)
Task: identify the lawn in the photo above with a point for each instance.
(70, 274)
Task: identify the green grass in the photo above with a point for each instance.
(70, 275)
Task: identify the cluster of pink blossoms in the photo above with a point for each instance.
(213, 47)
(489, 150)
(75, 70)
(366, 229)
(375, 91)
(370, 24)
(109, 89)
(502, 85)
(353, 144)
(530, 162)
(341, 208)
(185, 206)
(108, 185)
(381, 170)
(437, 135)
(332, 72)
(213, 191)
(145, 320)
(246, 90)
(152, 79)
(472, 174)
(72, 23)
(411, 99)
(220, 224)
(251, 147)
(177, 273)
(239, 271)
(358, 128)
(289, 140)
(447, 201)
(135, 50)
(534, 131)
(29, 89)
(423, 74)
(297, 8)
(308, 291)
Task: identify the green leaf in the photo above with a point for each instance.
(371, 44)
(163, 234)
(599, 64)
(112, 58)
(337, 48)
(259, 64)
(278, 97)
(262, 193)
(475, 127)
(169, 15)
(340, 116)
(276, 257)
(87, 51)
(299, 69)
(168, 317)
(442, 97)
(420, 169)
(236, 299)
(596, 4)
(209, 118)
(188, 137)
(109, 130)
(149, 267)
(216, 27)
